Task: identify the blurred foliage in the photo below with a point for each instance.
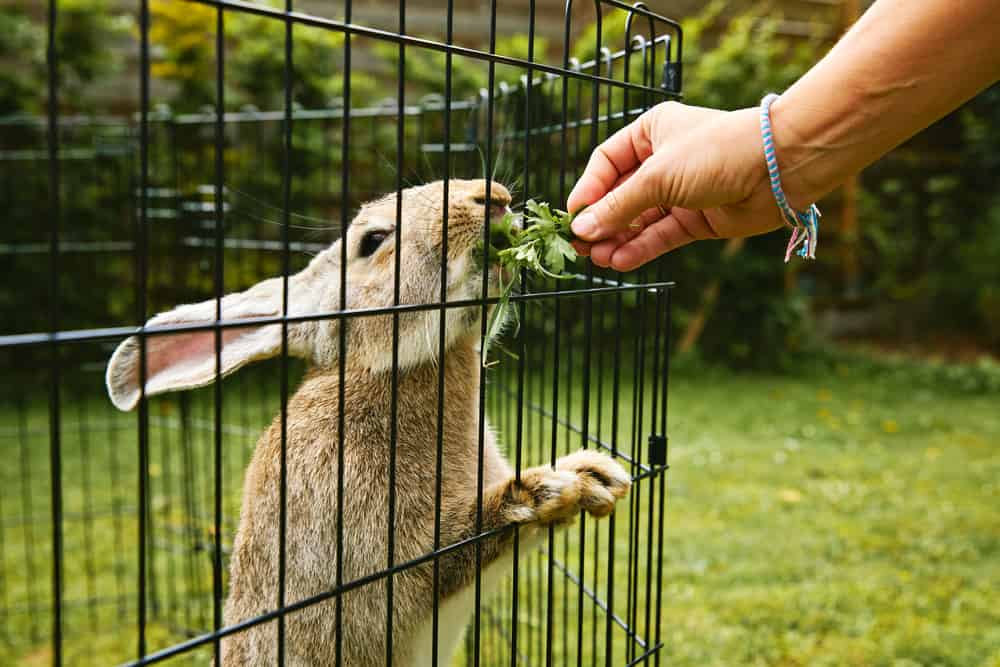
(930, 214)
(612, 29)
(184, 35)
(734, 67)
(931, 225)
(425, 69)
(84, 31)
(23, 39)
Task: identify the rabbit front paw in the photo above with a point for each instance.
(584, 480)
(602, 481)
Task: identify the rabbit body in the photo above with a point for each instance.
(540, 497)
(311, 535)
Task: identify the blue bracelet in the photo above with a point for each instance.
(805, 226)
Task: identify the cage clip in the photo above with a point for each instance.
(658, 450)
(672, 77)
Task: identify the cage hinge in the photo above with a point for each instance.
(672, 77)
(658, 450)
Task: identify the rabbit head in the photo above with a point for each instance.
(187, 359)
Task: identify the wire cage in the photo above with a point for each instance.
(117, 529)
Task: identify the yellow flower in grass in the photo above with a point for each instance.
(790, 496)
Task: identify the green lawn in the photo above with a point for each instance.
(851, 518)
(840, 521)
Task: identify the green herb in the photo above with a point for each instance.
(541, 247)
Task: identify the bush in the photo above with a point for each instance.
(931, 233)
(84, 31)
(183, 35)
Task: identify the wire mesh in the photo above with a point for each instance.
(116, 538)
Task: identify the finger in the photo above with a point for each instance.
(658, 238)
(624, 204)
(614, 159)
(581, 247)
(601, 252)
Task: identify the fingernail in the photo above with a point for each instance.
(585, 225)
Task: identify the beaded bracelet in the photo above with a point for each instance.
(805, 226)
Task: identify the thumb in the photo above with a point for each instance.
(622, 204)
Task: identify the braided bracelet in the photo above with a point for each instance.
(805, 226)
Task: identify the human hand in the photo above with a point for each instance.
(705, 168)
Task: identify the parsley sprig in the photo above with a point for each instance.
(540, 247)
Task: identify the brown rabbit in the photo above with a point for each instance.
(544, 495)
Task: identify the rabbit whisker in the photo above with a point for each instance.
(257, 218)
(325, 223)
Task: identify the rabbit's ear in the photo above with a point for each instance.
(186, 360)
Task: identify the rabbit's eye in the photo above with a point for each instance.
(370, 243)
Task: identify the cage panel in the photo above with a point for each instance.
(116, 529)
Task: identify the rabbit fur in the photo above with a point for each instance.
(544, 495)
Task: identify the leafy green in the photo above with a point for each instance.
(540, 247)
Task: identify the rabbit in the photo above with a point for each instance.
(541, 497)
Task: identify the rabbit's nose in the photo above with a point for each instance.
(498, 197)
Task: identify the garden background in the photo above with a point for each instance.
(834, 425)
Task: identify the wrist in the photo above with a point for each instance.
(805, 222)
(800, 157)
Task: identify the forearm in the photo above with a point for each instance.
(905, 64)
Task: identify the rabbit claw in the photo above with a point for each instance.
(583, 481)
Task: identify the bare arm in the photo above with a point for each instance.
(904, 65)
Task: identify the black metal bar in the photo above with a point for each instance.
(141, 270)
(600, 604)
(663, 491)
(588, 338)
(556, 342)
(442, 335)
(653, 411)
(515, 584)
(654, 650)
(638, 389)
(219, 287)
(481, 449)
(394, 381)
(616, 393)
(342, 341)
(559, 401)
(292, 607)
(409, 40)
(286, 193)
(89, 335)
(55, 443)
(608, 447)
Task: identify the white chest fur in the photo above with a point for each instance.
(457, 611)
(454, 615)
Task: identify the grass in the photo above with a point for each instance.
(839, 520)
(850, 518)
